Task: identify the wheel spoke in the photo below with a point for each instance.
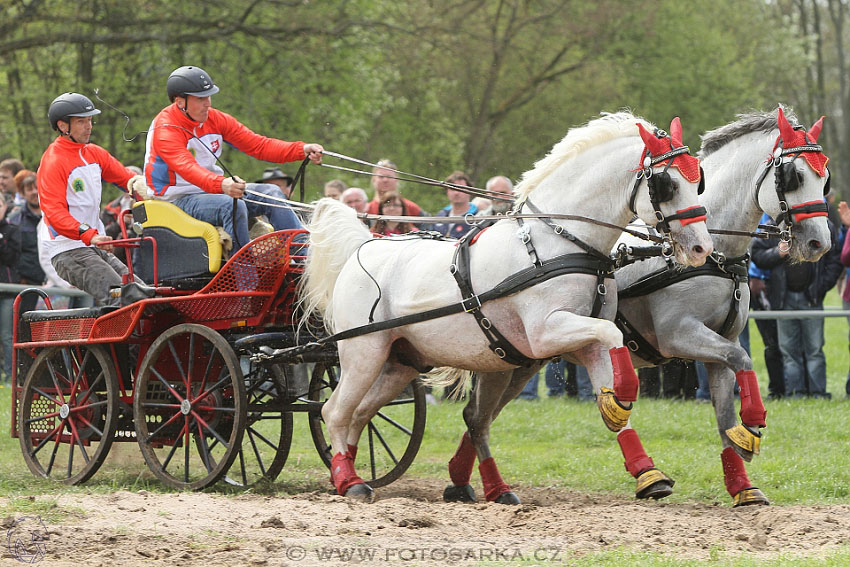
(48, 396)
(173, 448)
(211, 430)
(177, 363)
(41, 418)
(79, 441)
(53, 377)
(395, 424)
(212, 389)
(55, 447)
(89, 424)
(165, 383)
(186, 451)
(100, 376)
(262, 438)
(383, 441)
(44, 441)
(203, 449)
(165, 424)
(79, 374)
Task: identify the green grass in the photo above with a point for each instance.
(562, 444)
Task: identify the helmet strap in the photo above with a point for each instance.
(183, 108)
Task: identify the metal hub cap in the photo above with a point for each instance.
(64, 411)
(185, 407)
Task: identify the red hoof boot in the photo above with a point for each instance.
(345, 479)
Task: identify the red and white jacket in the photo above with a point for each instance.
(180, 154)
(69, 192)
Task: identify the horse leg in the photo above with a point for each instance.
(742, 491)
(361, 372)
(390, 383)
(602, 363)
(478, 415)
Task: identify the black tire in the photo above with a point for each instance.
(268, 432)
(396, 430)
(69, 404)
(185, 368)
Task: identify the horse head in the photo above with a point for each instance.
(801, 182)
(666, 190)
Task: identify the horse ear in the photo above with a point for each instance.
(814, 131)
(786, 131)
(655, 145)
(676, 131)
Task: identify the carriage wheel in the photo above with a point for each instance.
(392, 437)
(189, 406)
(68, 412)
(268, 433)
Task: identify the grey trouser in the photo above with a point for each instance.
(92, 270)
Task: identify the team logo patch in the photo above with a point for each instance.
(215, 145)
(78, 186)
(192, 151)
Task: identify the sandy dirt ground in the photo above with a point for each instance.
(407, 524)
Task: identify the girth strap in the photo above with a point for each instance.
(537, 273)
(718, 266)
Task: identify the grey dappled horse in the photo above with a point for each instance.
(751, 166)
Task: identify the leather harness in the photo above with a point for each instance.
(717, 265)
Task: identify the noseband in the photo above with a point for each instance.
(785, 175)
(661, 188)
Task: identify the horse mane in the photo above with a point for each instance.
(747, 123)
(597, 131)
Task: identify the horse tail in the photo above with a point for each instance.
(335, 234)
(447, 377)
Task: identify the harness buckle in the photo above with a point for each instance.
(485, 323)
(737, 294)
(453, 269)
(500, 352)
(666, 249)
(601, 289)
(633, 346)
(783, 206)
(659, 216)
(471, 304)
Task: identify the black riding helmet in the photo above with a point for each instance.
(192, 81)
(67, 105)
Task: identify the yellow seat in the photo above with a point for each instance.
(186, 247)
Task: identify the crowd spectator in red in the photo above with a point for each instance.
(385, 181)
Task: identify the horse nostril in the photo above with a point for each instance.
(815, 244)
(699, 250)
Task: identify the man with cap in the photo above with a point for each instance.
(182, 153)
(69, 190)
(276, 176)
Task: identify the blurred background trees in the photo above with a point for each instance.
(487, 86)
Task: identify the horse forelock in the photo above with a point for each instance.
(598, 131)
(747, 123)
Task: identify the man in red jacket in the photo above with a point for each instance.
(69, 190)
(184, 143)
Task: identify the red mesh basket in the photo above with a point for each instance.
(61, 330)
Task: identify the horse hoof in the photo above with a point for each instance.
(750, 497)
(652, 483)
(508, 498)
(455, 493)
(361, 492)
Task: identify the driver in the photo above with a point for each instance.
(184, 143)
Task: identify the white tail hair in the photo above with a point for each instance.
(335, 233)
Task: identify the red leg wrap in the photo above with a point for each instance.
(343, 476)
(734, 472)
(637, 460)
(625, 380)
(494, 486)
(352, 450)
(460, 466)
(752, 408)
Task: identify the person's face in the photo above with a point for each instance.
(332, 192)
(198, 107)
(458, 198)
(356, 202)
(31, 195)
(392, 208)
(79, 128)
(500, 186)
(384, 181)
(7, 181)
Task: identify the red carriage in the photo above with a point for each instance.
(179, 368)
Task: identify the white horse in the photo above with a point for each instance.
(751, 165)
(353, 279)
